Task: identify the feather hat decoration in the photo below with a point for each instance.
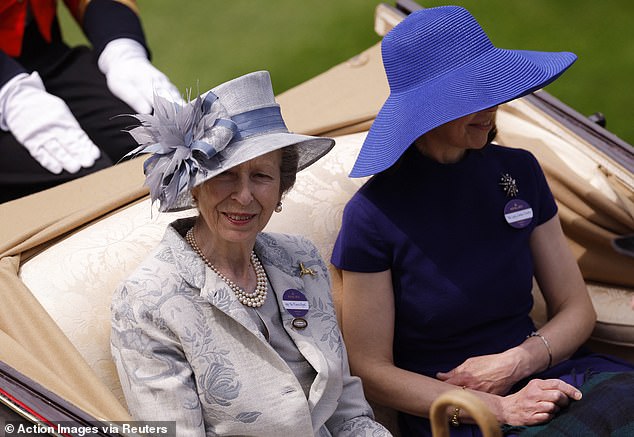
(185, 141)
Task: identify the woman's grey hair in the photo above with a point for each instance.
(288, 169)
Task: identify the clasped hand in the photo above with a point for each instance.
(535, 403)
(494, 374)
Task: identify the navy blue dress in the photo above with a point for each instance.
(461, 274)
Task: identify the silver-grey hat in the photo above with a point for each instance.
(234, 122)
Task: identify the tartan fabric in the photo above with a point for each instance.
(606, 409)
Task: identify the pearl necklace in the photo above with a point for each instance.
(255, 299)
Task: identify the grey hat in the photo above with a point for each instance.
(233, 123)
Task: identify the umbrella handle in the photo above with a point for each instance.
(466, 401)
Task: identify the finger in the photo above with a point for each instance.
(573, 393)
(141, 105)
(164, 88)
(569, 390)
(540, 417)
(46, 160)
(88, 155)
(132, 96)
(562, 400)
(92, 154)
(443, 376)
(547, 407)
(68, 162)
(145, 95)
(82, 149)
(453, 379)
(175, 94)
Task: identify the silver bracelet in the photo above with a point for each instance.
(550, 351)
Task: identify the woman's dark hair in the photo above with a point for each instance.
(492, 133)
(288, 168)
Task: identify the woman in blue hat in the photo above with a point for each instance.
(439, 248)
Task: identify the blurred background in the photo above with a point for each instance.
(202, 43)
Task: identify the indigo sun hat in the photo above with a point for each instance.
(440, 66)
(233, 123)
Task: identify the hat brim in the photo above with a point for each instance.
(495, 77)
(310, 149)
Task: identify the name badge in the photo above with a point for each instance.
(297, 305)
(518, 213)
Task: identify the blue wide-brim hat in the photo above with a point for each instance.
(440, 66)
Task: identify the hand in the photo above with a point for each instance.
(494, 374)
(131, 77)
(44, 125)
(537, 402)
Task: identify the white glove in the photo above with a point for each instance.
(44, 125)
(131, 77)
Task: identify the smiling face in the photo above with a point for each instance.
(237, 204)
(449, 142)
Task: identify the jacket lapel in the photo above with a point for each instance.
(283, 278)
(218, 294)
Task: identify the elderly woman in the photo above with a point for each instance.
(440, 247)
(224, 329)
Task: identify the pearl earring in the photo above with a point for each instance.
(278, 207)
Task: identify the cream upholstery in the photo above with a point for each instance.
(315, 204)
(74, 279)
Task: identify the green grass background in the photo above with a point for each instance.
(201, 43)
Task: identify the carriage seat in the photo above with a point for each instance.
(75, 278)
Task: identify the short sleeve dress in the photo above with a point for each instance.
(456, 239)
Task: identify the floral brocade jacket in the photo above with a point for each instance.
(187, 350)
